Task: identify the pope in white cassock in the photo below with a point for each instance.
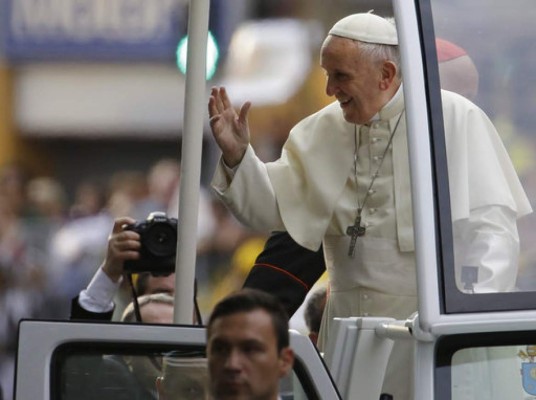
(343, 181)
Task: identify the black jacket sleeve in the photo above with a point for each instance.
(77, 312)
(286, 270)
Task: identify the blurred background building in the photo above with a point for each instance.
(95, 83)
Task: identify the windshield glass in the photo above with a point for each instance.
(486, 53)
(486, 365)
(118, 371)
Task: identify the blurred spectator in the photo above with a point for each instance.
(47, 213)
(21, 284)
(457, 70)
(75, 251)
(127, 189)
(162, 181)
(21, 267)
(89, 199)
(13, 179)
(46, 198)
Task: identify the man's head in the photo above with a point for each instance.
(248, 346)
(314, 309)
(156, 308)
(362, 64)
(183, 378)
(457, 70)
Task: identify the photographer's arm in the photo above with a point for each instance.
(96, 301)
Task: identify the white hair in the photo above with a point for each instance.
(159, 298)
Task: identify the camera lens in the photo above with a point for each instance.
(161, 240)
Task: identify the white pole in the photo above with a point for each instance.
(195, 109)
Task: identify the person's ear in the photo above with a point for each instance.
(388, 71)
(286, 361)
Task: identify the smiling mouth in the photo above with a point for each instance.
(344, 103)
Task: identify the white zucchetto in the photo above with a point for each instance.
(366, 27)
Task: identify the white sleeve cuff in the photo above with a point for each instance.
(99, 294)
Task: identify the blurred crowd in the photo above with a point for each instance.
(51, 244)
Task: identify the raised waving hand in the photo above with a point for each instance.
(229, 128)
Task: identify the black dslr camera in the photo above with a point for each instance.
(158, 237)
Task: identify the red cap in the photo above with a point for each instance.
(448, 51)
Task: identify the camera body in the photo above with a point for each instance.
(158, 238)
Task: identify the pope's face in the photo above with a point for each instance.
(352, 78)
(244, 362)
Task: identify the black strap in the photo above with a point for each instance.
(134, 299)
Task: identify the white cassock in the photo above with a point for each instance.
(311, 193)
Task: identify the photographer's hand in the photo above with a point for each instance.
(122, 245)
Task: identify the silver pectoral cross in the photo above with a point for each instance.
(355, 231)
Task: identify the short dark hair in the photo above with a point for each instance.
(314, 309)
(246, 300)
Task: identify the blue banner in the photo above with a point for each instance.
(113, 30)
